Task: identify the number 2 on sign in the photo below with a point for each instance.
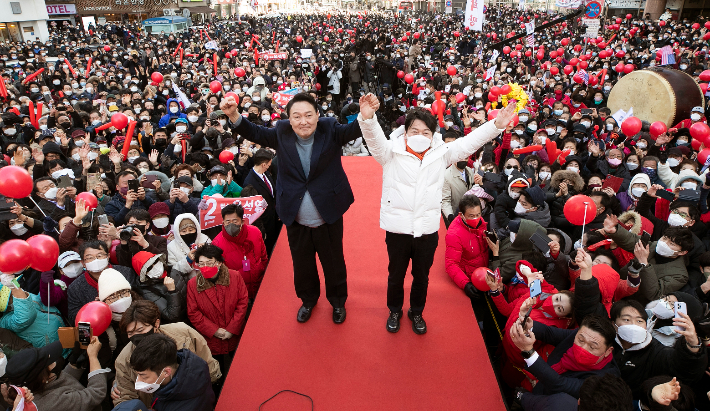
(212, 203)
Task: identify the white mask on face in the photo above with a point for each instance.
(575, 169)
(181, 129)
(674, 220)
(514, 195)
(149, 388)
(514, 144)
(673, 162)
(192, 119)
(519, 209)
(76, 157)
(512, 237)
(544, 175)
(632, 166)
(97, 265)
(635, 334)
(18, 229)
(161, 222)
(664, 249)
(42, 127)
(637, 191)
(265, 118)
(661, 309)
(223, 122)
(93, 155)
(214, 181)
(418, 143)
(121, 305)
(688, 185)
(51, 194)
(73, 270)
(156, 271)
(173, 110)
(609, 127)
(508, 171)
(695, 117)
(184, 190)
(3, 365)
(523, 118)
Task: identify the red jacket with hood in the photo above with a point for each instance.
(466, 250)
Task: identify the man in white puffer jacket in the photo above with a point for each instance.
(414, 160)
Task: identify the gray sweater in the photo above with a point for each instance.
(67, 394)
(308, 214)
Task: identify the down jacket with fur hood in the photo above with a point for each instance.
(171, 303)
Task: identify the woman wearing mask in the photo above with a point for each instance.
(168, 292)
(506, 202)
(181, 251)
(531, 205)
(662, 314)
(55, 386)
(217, 300)
(563, 185)
(24, 226)
(628, 199)
(54, 284)
(633, 164)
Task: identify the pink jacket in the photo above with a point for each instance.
(466, 250)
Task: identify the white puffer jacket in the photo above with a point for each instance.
(412, 189)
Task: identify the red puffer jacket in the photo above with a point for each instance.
(248, 245)
(466, 250)
(219, 304)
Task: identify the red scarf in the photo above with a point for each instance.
(579, 359)
(90, 280)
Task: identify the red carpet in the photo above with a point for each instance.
(358, 365)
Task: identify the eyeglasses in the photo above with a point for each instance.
(207, 263)
(90, 258)
(681, 214)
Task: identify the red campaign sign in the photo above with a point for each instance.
(253, 206)
(274, 56)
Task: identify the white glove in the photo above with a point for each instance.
(6, 280)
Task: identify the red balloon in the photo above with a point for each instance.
(492, 97)
(119, 120)
(703, 87)
(629, 16)
(631, 126)
(491, 115)
(583, 65)
(409, 78)
(575, 209)
(299, 39)
(107, 48)
(232, 94)
(239, 72)
(620, 54)
(460, 97)
(662, 23)
(494, 36)
(695, 26)
(554, 70)
(417, 35)
(578, 47)
(215, 86)
(457, 34)
(505, 89)
(518, 46)
(628, 68)
(577, 78)
(695, 143)
(528, 53)
(540, 55)
(90, 200)
(515, 120)
(657, 128)
(618, 20)
(451, 70)
(513, 53)
(619, 67)
(228, 55)
(553, 54)
(405, 38)
(326, 39)
(340, 30)
(16, 256)
(45, 252)
(96, 313)
(704, 76)
(568, 69)
(156, 77)
(495, 90)
(707, 25)
(574, 61)
(703, 155)
(601, 45)
(15, 182)
(226, 156)
(701, 131)
(561, 52)
(706, 36)
(592, 80)
(400, 74)
(559, 60)
(565, 41)
(317, 86)
(478, 278)
(506, 50)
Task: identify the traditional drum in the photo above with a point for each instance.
(657, 94)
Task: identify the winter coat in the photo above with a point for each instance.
(412, 189)
(510, 253)
(355, 148)
(232, 190)
(170, 116)
(466, 250)
(28, 318)
(601, 165)
(178, 251)
(190, 389)
(189, 207)
(626, 198)
(125, 252)
(172, 304)
(505, 204)
(334, 83)
(66, 393)
(116, 208)
(81, 292)
(557, 204)
(558, 267)
(249, 246)
(454, 189)
(219, 304)
(186, 337)
(673, 180)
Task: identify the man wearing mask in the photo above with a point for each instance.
(140, 240)
(412, 221)
(85, 288)
(457, 180)
(126, 199)
(697, 114)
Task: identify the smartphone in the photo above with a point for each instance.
(103, 219)
(92, 180)
(666, 195)
(689, 195)
(492, 236)
(493, 177)
(133, 185)
(525, 319)
(645, 239)
(148, 181)
(535, 288)
(680, 307)
(587, 111)
(64, 182)
(613, 182)
(541, 242)
(84, 329)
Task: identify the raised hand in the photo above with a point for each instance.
(369, 104)
(610, 223)
(229, 107)
(505, 116)
(665, 393)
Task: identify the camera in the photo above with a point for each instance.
(127, 232)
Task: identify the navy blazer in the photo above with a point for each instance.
(327, 183)
(253, 179)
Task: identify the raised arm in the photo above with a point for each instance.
(462, 148)
(260, 135)
(377, 142)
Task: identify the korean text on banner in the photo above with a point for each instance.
(253, 206)
(285, 96)
(568, 4)
(474, 15)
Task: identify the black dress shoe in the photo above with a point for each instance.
(304, 313)
(418, 324)
(339, 315)
(393, 321)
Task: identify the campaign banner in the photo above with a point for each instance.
(211, 45)
(274, 56)
(285, 96)
(474, 15)
(568, 4)
(254, 207)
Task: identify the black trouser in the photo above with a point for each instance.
(327, 241)
(401, 248)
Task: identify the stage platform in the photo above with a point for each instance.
(358, 365)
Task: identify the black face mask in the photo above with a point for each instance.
(136, 339)
(461, 164)
(65, 125)
(161, 142)
(252, 116)
(189, 238)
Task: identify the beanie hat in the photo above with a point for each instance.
(158, 208)
(537, 195)
(514, 226)
(110, 282)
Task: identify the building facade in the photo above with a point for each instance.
(23, 20)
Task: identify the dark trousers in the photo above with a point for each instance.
(401, 248)
(327, 242)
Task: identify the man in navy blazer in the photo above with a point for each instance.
(312, 194)
(262, 181)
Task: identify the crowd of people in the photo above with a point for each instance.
(603, 331)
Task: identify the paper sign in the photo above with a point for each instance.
(285, 96)
(306, 53)
(254, 207)
(274, 56)
(211, 45)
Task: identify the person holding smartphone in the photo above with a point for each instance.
(127, 197)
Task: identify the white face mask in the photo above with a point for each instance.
(156, 271)
(514, 195)
(51, 194)
(514, 144)
(97, 265)
(93, 155)
(550, 131)
(215, 182)
(73, 270)
(544, 175)
(637, 192)
(192, 119)
(121, 305)
(76, 157)
(695, 116)
(184, 190)
(181, 129)
(586, 124)
(42, 127)
(609, 127)
(418, 143)
(662, 309)
(19, 229)
(664, 249)
(674, 220)
(519, 209)
(632, 166)
(149, 388)
(133, 158)
(161, 222)
(223, 122)
(635, 334)
(512, 237)
(508, 171)
(265, 118)
(688, 185)
(523, 118)
(673, 162)
(3, 365)
(449, 123)
(173, 110)
(575, 169)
